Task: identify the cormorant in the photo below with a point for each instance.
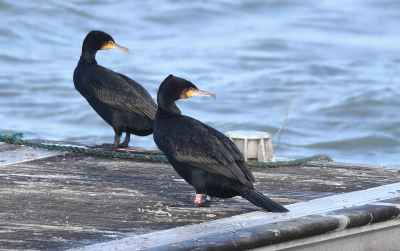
(201, 155)
(120, 101)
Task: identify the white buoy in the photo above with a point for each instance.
(254, 145)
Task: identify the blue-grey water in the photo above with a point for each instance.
(341, 59)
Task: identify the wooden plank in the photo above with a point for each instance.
(75, 199)
(314, 207)
(352, 165)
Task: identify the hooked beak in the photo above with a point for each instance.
(197, 92)
(116, 47)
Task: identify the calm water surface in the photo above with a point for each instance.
(341, 59)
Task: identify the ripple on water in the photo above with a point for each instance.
(343, 67)
(360, 143)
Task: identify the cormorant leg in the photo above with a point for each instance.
(207, 202)
(125, 144)
(116, 140)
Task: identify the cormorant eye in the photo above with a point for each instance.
(190, 88)
(111, 42)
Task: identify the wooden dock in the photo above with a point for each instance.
(52, 200)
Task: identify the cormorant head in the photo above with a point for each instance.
(174, 88)
(98, 40)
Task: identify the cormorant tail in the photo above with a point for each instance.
(262, 201)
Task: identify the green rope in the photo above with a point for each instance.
(295, 162)
(16, 139)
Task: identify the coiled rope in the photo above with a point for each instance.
(16, 139)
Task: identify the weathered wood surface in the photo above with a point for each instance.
(72, 200)
(317, 217)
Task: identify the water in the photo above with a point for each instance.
(339, 58)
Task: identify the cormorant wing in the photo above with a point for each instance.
(195, 144)
(139, 88)
(116, 90)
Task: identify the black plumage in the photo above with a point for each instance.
(120, 101)
(203, 156)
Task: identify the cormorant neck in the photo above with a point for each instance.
(88, 56)
(166, 97)
(168, 109)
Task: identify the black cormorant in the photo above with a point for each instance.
(203, 156)
(120, 101)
